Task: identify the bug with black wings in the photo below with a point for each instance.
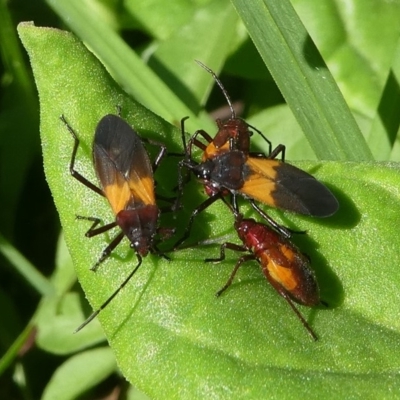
(126, 179)
(229, 167)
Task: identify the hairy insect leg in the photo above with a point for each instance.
(182, 179)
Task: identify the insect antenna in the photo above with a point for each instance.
(213, 74)
(105, 304)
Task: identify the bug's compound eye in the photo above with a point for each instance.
(141, 247)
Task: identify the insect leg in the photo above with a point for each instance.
(92, 231)
(161, 153)
(299, 316)
(283, 230)
(73, 172)
(107, 251)
(205, 135)
(228, 283)
(207, 203)
(264, 137)
(278, 149)
(226, 245)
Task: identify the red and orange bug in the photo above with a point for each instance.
(126, 180)
(234, 133)
(229, 167)
(285, 267)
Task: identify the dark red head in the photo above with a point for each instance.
(233, 132)
(243, 226)
(140, 227)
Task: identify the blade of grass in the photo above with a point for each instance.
(11, 51)
(387, 120)
(18, 97)
(25, 268)
(12, 352)
(216, 24)
(303, 78)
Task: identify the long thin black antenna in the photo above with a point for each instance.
(105, 304)
(213, 74)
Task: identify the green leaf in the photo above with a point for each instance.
(80, 373)
(171, 336)
(59, 314)
(57, 319)
(303, 78)
(160, 19)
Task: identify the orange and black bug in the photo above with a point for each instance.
(229, 167)
(264, 179)
(285, 267)
(125, 173)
